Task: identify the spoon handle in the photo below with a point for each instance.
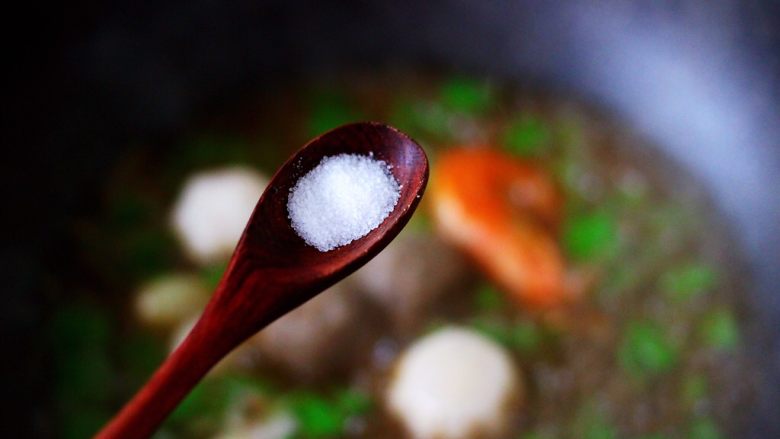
(247, 299)
(167, 387)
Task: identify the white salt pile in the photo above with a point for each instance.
(342, 199)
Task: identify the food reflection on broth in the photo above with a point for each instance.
(559, 280)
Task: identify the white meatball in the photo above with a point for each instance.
(407, 291)
(314, 339)
(452, 384)
(169, 300)
(213, 209)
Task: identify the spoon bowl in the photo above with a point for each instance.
(269, 232)
(273, 270)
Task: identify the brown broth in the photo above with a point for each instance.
(576, 385)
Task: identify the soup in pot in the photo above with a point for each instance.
(560, 279)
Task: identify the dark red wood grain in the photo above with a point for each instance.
(273, 271)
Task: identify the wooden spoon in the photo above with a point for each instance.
(273, 270)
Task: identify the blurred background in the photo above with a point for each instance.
(651, 129)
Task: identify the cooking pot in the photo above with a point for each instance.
(702, 79)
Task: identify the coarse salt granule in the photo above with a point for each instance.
(342, 199)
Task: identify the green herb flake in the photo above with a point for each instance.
(330, 110)
(646, 350)
(494, 330)
(353, 402)
(238, 386)
(522, 336)
(688, 281)
(206, 403)
(719, 330)
(467, 96)
(601, 430)
(421, 118)
(527, 136)
(317, 417)
(590, 236)
(525, 336)
(212, 398)
(192, 405)
(212, 274)
(488, 299)
(705, 428)
(592, 424)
